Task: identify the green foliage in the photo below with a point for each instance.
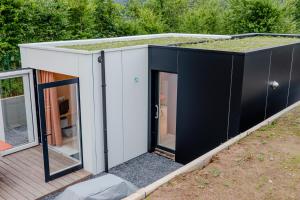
(293, 8)
(170, 11)
(11, 87)
(81, 23)
(206, 17)
(141, 19)
(108, 21)
(23, 21)
(244, 16)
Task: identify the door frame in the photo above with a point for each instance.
(30, 105)
(154, 102)
(44, 140)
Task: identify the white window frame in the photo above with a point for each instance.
(30, 106)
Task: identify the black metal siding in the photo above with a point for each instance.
(256, 72)
(294, 92)
(202, 103)
(280, 72)
(236, 93)
(208, 80)
(163, 59)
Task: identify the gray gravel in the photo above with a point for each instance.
(145, 169)
(141, 171)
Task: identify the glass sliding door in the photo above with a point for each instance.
(61, 127)
(167, 110)
(18, 127)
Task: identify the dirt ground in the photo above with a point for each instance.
(264, 165)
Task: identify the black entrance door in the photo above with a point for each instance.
(164, 110)
(60, 127)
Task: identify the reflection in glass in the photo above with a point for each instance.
(167, 110)
(62, 127)
(16, 128)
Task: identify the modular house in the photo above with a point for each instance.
(102, 102)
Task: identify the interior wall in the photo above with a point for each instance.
(66, 93)
(168, 103)
(172, 104)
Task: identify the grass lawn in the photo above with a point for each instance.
(156, 41)
(245, 44)
(264, 165)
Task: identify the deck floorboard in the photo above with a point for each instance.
(22, 175)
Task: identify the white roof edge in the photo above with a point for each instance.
(54, 46)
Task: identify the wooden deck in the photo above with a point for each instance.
(22, 175)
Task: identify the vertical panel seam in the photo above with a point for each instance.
(290, 78)
(230, 88)
(269, 74)
(123, 138)
(95, 142)
(177, 52)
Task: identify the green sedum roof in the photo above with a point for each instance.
(118, 44)
(244, 44)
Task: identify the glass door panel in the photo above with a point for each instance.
(167, 110)
(61, 131)
(18, 128)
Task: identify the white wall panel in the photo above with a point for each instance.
(98, 114)
(85, 64)
(135, 101)
(113, 73)
(53, 61)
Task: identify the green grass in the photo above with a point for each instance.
(245, 44)
(215, 172)
(119, 44)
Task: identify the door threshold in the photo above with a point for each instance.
(164, 153)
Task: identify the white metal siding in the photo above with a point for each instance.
(59, 62)
(127, 103)
(113, 73)
(135, 101)
(80, 65)
(98, 115)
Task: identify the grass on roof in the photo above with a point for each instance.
(118, 44)
(245, 44)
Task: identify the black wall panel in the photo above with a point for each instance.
(280, 72)
(163, 59)
(294, 93)
(236, 93)
(207, 80)
(202, 103)
(256, 72)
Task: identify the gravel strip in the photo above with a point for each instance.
(145, 169)
(141, 171)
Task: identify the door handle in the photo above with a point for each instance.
(274, 85)
(157, 112)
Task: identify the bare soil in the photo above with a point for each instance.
(264, 165)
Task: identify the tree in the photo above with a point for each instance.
(170, 11)
(293, 8)
(108, 21)
(81, 23)
(140, 19)
(204, 17)
(244, 16)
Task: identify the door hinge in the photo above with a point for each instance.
(100, 59)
